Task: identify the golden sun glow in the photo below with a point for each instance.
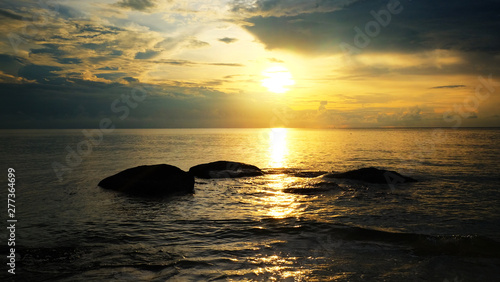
(277, 147)
(278, 77)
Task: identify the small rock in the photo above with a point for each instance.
(225, 169)
(373, 175)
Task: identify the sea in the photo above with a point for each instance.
(445, 227)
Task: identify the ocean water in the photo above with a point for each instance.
(446, 227)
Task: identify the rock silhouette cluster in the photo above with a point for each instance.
(164, 180)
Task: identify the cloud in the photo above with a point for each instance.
(80, 46)
(472, 115)
(194, 43)
(225, 64)
(82, 57)
(11, 15)
(6, 78)
(176, 62)
(228, 40)
(130, 79)
(274, 60)
(322, 105)
(149, 54)
(112, 76)
(192, 63)
(40, 74)
(68, 12)
(286, 7)
(48, 106)
(108, 68)
(407, 116)
(12, 64)
(139, 5)
(370, 98)
(69, 61)
(448, 86)
(412, 114)
(54, 51)
(420, 26)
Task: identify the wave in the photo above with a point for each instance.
(419, 244)
(286, 235)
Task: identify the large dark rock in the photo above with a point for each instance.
(150, 180)
(373, 175)
(225, 169)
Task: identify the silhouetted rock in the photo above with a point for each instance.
(150, 180)
(373, 175)
(225, 169)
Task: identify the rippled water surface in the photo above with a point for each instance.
(444, 227)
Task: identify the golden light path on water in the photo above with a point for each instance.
(278, 147)
(278, 205)
(281, 205)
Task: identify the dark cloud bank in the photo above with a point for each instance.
(420, 25)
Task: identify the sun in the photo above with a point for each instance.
(278, 77)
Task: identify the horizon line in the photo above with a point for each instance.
(313, 128)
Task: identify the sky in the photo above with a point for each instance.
(249, 63)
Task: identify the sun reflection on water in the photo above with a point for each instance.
(277, 147)
(279, 204)
(278, 268)
(282, 205)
